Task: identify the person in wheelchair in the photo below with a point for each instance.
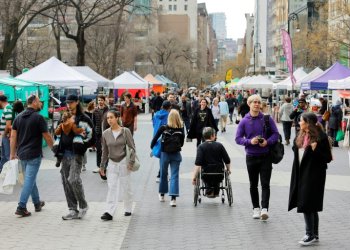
(211, 160)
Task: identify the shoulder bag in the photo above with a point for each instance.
(136, 165)
(277, 149)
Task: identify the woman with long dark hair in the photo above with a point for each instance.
(312, 152)
(201, 118)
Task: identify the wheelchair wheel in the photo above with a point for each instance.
(229, 191)
(196, 195)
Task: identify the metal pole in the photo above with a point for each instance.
(254, 59)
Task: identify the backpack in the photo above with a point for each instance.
(171, 140)
(277, 149)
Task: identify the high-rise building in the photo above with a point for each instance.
(218, 21)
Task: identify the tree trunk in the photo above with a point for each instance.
(81, 42)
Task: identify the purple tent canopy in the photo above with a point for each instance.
(335, 72)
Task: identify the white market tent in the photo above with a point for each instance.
(219, 85)
(57, 74)
(339, 84)
(312, 75)
(243, 80)
(87, 71)
(258, 82)
(129, 80)
(287, 83)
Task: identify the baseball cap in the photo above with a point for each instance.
(71, 98)
(166, 105)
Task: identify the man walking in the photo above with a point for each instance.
(185, 111)
(129, 114)
(252, 133)
(28, 130)
(5, 129)
(72, 161)
(99, 120)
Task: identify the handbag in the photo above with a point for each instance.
(277, 149)
(326, 115)
(340, 135)
(136, 165)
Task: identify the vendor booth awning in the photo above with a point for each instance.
(129, 80)
(335, 72)
(102, 82)
(287, 83)
(57, 74)
(257, 82)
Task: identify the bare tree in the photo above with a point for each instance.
(76, 16)
(15, 16)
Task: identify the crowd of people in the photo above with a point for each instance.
(176, 118)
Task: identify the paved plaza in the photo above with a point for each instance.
(155, 225)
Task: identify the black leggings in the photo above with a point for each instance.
(311, 223)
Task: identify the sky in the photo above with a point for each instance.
(234, 10)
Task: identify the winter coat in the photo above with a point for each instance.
(209, 122)
(160, 118)
(224, 109)
(285, 111)
(335, 117)
(308, 178)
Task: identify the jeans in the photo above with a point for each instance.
(311, 223)
(231, 114)
(30, 170)
(98, 145)
(187, 122)
(333, 134)
(72, 184)
(5, 151)
(287, 129)
(259, 165)
(174, 159)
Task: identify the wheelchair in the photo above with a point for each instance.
(221, 175)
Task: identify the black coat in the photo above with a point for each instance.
(209, 122)
(335, 117)
(308, 178)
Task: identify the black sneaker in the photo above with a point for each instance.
(22, 212)
(127, 214)
(308, 240)
(106, 216)
(39, 206)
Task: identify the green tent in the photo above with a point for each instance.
(16, 89)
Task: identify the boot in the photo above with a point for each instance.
(287, 141)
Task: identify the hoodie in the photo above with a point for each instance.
(160, 118)
(30, 126)
(250, 127)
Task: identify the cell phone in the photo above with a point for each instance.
(261, 140)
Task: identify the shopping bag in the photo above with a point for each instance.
(340, 135)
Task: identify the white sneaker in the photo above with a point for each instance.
(161, 198)
(96, 170)
(157, 180)
(264, 214)
(82, 212)
(173, 203)
(256, 213)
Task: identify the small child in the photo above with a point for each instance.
(67, 126)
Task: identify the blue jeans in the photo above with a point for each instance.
(174, 159)
(5, 151)
(30, 170)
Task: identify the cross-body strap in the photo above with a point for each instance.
(267, 128)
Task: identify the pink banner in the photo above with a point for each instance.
(288, 53)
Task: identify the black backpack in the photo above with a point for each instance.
(276, 150)
(171, 140)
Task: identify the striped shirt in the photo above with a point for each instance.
(6, 116)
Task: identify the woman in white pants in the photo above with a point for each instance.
(114, 140)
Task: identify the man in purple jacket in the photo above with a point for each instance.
(252, 134)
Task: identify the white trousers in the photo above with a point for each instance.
(118, 179)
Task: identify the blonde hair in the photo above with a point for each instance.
(263, 106)
(253, 98)
(174, 119)
(222, 98)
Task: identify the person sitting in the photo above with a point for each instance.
(211, 158)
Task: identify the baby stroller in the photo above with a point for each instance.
(210, 181)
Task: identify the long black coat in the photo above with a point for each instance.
(209, 122)
(308, 178)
